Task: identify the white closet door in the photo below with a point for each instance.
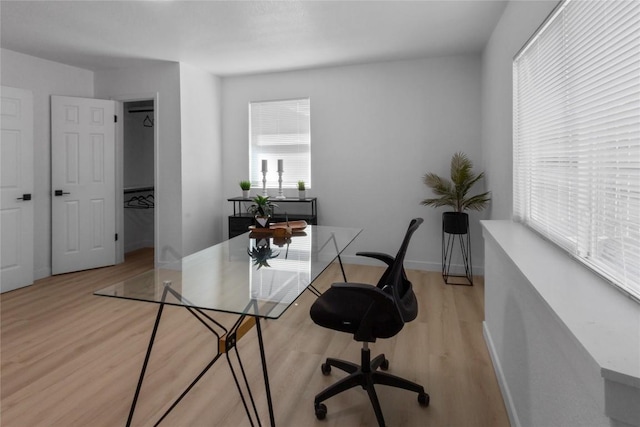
(83, 184)
(16, 188)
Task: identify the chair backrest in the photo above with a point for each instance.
(395, 281)
(357, 309)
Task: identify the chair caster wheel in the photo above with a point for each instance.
(384, 365)
(423, 399)
(325, 368)
(321, 411)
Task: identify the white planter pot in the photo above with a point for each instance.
(262, 221)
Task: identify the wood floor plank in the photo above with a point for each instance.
(69, 358)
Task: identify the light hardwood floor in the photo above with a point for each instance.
(69, 358)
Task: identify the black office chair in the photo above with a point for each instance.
(369, 312)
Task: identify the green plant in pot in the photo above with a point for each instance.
(454, 193)
(262, 209)
(301, 190)
(245, 186)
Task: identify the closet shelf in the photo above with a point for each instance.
(137, 189)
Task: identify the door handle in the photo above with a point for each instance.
(25, 197)
(60, 193)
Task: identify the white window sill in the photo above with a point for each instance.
(603, 320)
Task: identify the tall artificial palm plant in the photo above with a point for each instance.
(453, 193)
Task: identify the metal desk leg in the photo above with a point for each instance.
(146, 357)
(344, 276)
(230, 343)
(335, 244)
(264, 372)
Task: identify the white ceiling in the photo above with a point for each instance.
(243, 37)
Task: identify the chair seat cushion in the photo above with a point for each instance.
(343, 310)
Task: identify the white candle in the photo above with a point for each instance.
(280, 165)
(264, 166)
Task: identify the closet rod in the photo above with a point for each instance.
(141, 111)
(137, 189)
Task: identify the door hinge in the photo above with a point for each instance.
(115, 119)
(116, 237)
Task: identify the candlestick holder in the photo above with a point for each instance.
(280, 195)
(264, 183)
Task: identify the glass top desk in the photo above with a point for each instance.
(252, 276)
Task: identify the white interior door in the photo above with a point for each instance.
(83, 184)
(16, 188)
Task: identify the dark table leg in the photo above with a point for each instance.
(146, 357)
(264, 372)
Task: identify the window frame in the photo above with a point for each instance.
(299, 146)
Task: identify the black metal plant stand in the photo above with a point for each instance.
(455, 229)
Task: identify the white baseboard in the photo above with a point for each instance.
(502, 382)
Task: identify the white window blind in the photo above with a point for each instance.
(577, 135)
(280, 130)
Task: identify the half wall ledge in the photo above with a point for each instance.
(603, 321)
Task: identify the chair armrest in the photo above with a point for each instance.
(388, 259)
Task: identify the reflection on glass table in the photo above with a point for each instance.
(280, 274)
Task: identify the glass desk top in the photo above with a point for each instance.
(244, 275)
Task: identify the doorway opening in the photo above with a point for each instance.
(138, 175)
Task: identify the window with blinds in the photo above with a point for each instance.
(576, 123)
(280, 130)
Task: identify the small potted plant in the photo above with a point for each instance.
(302, 194)
(262, 209)
(245, 186)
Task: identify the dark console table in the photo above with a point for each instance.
(302, 209)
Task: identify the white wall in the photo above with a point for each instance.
(519, 21)
(44, 78)
(201, 159)
(162, 78)
(375, 131)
